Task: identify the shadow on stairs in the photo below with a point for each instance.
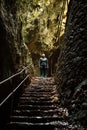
(38, 108)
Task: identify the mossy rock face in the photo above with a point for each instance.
(71, 77)
(41, 21)
(31, 23)
(40, 28)
(81, 115)
(14, 53)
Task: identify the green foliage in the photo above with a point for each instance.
(40, 23)
(36, 1)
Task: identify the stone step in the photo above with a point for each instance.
(36, 99)
(40, 88)
(33, 102)
(40, 93)
(36, 112)
(35, 107)
(29, 126)
(35, 119)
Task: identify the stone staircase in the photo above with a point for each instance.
(38, 108)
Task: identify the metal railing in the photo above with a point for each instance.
(15, 89)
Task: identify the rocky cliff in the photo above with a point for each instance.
(43, 25)
(14, 54)
(72, 63)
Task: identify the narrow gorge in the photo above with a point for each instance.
(57, 28)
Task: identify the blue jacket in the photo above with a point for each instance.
(43, 62)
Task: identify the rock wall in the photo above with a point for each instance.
(71, 74)
(42, 27)
(14, 54)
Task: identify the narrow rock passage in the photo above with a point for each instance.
(38, 107)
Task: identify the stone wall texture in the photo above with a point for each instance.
(71, 74)
(14, 54)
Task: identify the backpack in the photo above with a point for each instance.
(43, 62)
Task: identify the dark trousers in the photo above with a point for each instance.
(43, 72)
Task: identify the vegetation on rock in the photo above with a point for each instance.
(43, 23)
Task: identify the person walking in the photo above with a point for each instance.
(43, 65)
